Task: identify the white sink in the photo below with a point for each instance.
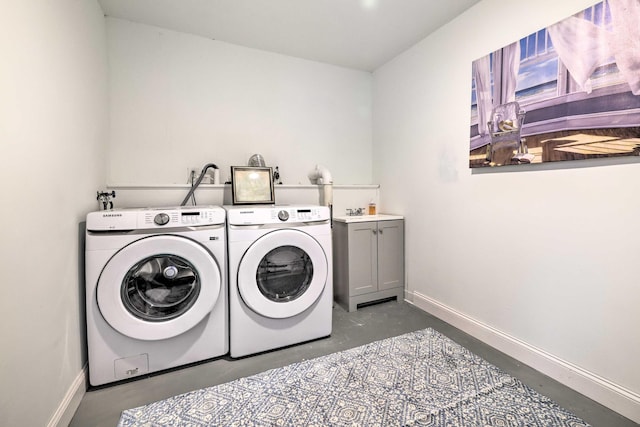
(365, 218)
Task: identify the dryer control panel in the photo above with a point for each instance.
(150, 218)
(258, 215)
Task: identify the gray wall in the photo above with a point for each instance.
(540, 262)
(179, 101)
(53, 127)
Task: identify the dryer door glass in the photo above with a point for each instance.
(160, 287)
(284, 273)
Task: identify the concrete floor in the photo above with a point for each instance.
(102, 407)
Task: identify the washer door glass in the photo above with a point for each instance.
(284, 273)
(160, 287)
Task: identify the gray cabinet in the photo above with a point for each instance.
(368, 261)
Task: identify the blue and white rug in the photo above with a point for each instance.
(417, 379)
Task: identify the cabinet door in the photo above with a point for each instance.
(363, 258)
(390, 254)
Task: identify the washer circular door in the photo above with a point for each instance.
(282, 274)
(158, 287)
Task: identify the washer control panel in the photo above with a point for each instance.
(137, 219)
(181, 217)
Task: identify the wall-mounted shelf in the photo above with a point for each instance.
(220, 186)
(345, 196)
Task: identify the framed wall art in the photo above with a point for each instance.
(570, 91)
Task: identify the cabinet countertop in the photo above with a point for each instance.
(367, 218)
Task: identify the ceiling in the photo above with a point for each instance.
(359, 34)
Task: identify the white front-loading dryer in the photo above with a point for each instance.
(280, 276)
(156, 290)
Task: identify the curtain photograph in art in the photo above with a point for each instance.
(570, 91)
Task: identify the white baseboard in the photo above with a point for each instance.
(67, 408)
(603, 391)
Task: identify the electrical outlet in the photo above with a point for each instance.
(192, 174)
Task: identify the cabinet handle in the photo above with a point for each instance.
(374, 231)
(380, 231)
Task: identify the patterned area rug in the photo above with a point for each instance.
(417, 379)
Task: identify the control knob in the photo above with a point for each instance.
(283, 215)
(161, 219)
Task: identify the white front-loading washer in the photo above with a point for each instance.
(280, 276)
(156, 290)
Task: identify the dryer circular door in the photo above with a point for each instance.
(158, 287)
(282, 274)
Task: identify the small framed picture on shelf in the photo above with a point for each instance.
(251, 185)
